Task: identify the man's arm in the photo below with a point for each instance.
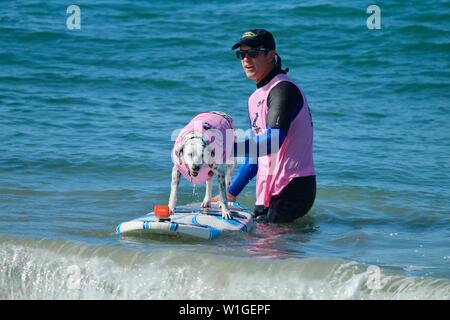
(246, 173)
(285, 102)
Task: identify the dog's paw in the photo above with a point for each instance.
(171, 210)
(226, 214)
(206, 204)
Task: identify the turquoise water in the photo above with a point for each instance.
(86, 118)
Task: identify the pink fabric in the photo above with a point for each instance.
(218, 131)
(295, 157)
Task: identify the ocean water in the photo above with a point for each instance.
(86, 118)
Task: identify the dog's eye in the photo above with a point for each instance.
(213, 153)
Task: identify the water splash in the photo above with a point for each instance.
(59, 270)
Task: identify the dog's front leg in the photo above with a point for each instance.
(208, 194)
(230, 168)
(174, 188)
(223, 203)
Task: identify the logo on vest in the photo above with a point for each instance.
(260, 103)
(255, 127)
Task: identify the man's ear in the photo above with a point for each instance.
(271, 55)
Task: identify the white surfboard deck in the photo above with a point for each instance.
(192, 220)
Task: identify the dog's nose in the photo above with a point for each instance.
(195, 167)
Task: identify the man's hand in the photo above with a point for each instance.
(230, 197)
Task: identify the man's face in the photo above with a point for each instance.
(257, 68)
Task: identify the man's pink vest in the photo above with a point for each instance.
(294, 158)
(218, 130)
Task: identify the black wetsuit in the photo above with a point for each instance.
(284, 103)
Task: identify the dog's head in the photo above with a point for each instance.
(195, 153)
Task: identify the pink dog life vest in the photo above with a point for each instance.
(294, 158)
(218, 130)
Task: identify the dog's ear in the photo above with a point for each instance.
(179, 154)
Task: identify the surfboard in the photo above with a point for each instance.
(191, 220)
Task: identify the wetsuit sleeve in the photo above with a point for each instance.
(250, 167)
(246, 173)
(284, 103)
(262, 143)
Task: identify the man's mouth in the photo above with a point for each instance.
(249, 68)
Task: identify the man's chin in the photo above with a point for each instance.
(250, 74)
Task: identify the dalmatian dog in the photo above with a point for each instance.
(203, 149)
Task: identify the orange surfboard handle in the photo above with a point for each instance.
(161, 211)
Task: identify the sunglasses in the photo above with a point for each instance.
(252, 53)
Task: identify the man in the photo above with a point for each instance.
(285, 176)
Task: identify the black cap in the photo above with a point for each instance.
(255, 38)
